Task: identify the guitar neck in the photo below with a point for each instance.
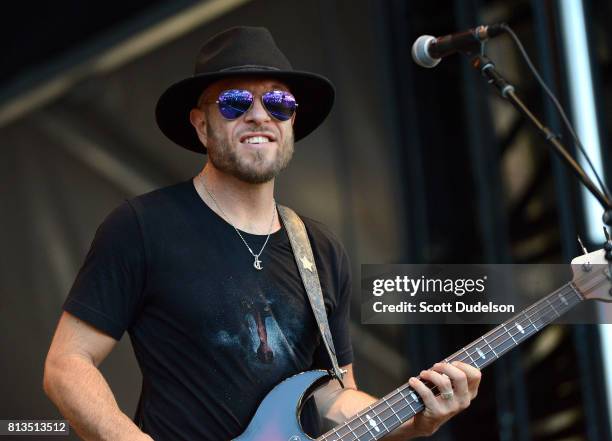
(399, 406)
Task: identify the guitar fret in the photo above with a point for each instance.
(512, 336)
(353, 429)
(409, 402)
(369, 422)
(562, 306)
(498, 339)
(545, 314)
(344, 430)
(521, 333)
(370, 429)
(472, 354)
(415, 403)
(393, 400)
(391, 406)
(382, 421)
(469, 355)
(336, 436)
(569, 300)
(535, 325)
(532, 323)
(404, 404)
(482, 354)
(575, 290)
(508, 340)
(399, 420)
(553, 307)
(381, 414)
(490, 347)
(373, 422)
(366, 426)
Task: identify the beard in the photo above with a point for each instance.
(254, 168)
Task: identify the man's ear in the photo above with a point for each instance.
(199, 123)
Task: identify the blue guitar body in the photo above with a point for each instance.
(277, 417)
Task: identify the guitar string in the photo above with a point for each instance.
(403, 398)
(398, 393)
(404, 387)
(560, 310)
(390, 406)
(564, 290)
(549, 306)
(555, 294)
(568, 288)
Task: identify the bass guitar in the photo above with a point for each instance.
(278, 416)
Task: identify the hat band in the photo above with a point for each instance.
(248, 67)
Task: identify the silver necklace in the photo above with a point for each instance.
(256, 262)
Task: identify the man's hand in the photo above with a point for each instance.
(457, 384)
(337, 405)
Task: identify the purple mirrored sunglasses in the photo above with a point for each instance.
(234, 103)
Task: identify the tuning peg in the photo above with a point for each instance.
(608, 243)
(584, 250)
(586, 266)
(608, 249)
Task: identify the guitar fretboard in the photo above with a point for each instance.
(397, 407)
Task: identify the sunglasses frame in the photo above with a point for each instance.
(218, 102)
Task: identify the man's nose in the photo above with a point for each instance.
(257, 113)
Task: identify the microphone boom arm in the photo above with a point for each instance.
(486, 67)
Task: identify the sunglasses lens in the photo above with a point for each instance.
(234, 103)
(280, 104)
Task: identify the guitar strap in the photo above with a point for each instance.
(302, 252)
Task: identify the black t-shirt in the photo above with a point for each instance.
(211, 333)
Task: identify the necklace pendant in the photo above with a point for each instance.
(257, 263)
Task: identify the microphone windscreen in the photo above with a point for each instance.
(420, 53)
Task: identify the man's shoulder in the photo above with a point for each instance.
(162, 193)
(161, 199)
(322, 236)
(314, 226)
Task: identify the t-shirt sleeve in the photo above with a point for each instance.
(108, 289)
(339, 318)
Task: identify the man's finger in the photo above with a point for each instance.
(457, 377)
(429, 400)
(473, 376)
(443, 382)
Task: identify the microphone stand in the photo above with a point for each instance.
(486, 67)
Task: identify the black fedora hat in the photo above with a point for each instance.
(242, 51)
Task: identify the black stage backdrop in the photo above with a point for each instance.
(412, 166)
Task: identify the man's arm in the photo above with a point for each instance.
(76, 386)
(337, 405)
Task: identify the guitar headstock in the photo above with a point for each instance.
(592, 276)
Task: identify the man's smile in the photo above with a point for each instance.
(258, 139)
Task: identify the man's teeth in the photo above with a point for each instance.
(256, 139)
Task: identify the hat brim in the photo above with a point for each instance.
(313, 93)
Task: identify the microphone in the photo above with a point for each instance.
(428, 51)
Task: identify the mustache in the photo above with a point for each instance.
(259, 128)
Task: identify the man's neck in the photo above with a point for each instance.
(248, 207)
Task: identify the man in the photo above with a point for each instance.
(202, 276)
